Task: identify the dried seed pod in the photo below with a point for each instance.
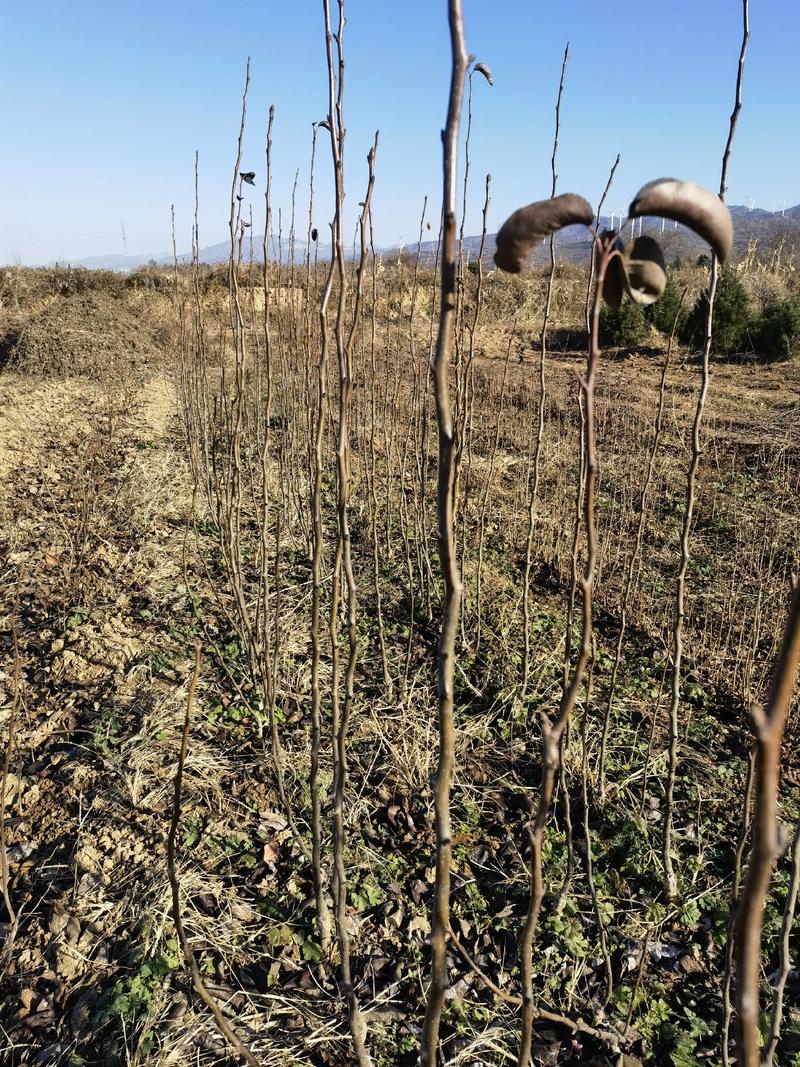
(486, 72)
(522, 231)
(645, 270)
(614, 281)
(640, 271)
(690, 204)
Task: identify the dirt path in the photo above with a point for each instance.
(158, 408)
(90, 532)
(31, 409)
(28, 411)
(94, 502)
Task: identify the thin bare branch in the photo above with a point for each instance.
(224, 1027)
(447, 543)
(766, 842)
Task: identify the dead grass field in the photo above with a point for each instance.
(109, 569)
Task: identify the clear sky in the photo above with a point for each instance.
(102, 105)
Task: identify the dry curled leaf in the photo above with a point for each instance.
(522, 231)
(647, 270)
(640, 271)
(691, 205)
(614, 280)
(485, 71)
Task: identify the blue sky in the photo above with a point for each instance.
(102, 106)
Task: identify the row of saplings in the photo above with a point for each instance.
(769, 336)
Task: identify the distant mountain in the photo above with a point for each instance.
(738, 210)
(218, 253)
(573, 243)
(767, 228)
(120, 263)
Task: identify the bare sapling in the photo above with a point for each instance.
(587, 838)
(8, 754)
(736, 886)
(487, 487)
(464, 405)
(232, 477)
(421, 403)
(639, 272)
(343, 553)
(517, 237)
(405, 506)
(785, 965)
(440, 919)
(266, 625)
(317, 550)
(240, 462)
(373, 467)
(465, 395)
(344, 342)
(670, 880)
(769, 724)
(540, 426)
(572, 598)
(234, 1041)
(424, 456)
(587, 311)
(633, 559)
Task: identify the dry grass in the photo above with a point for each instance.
(93, 567)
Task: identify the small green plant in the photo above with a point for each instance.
(567, 929)
(132, 997)
(107, 731)
(776, 335)
(77, 617)
(663, 313)
(732, 318)
(368, 894)
(652, 1014)
(624, 327)
(192, 831)
(237, 848)
(686, 1036)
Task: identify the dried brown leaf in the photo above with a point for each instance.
(646, 270)
(614, 281)
(522, 231)
(691, 205)
(640, 271)
(485, 71)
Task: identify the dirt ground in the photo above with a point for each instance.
(92, 494)
(95, 496)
